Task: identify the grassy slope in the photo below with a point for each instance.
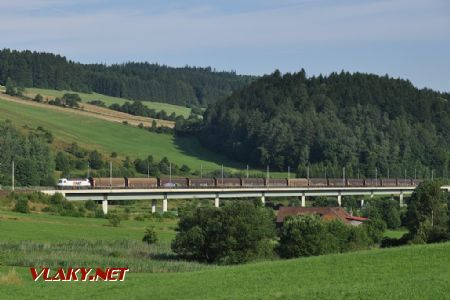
(417, 272)
(169, 108)
(108, 136)
(45, 228)
(414, 272)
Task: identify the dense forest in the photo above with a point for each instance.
(189, 86)
(371, 125)
(34, 164)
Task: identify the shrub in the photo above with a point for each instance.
(150, 236)
(235, 233)
(90, 205)
(22, 206)
(114, 220)
(305, 236)
(99, 213)
(139, 218)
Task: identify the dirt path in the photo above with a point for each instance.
(94, 111)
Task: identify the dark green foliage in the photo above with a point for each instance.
(38, 98)
(60, 206)
(427, 216)
(33, 162)
(359, 121)
(138, 109)
(387, 210)
(71, 100)
(375, 228)
(12, 89)
(235, 233)
(304, 236)
(325, 202)
(185, 169)
(22, 206)
(183, 86)
(308, 235)
(150, 236)
(114, 220)
(62, 162)
(99, 103)
(95, 160)
(90, 205)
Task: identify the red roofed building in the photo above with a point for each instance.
(325, 213)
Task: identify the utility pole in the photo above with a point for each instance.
(12, 176)
(405, 176)
(343, 175)
(201, 170)
(307, 172)
(289, 172)
(110, 174)
(89, 170)
(388, 173)
(415, 173)
(267, 173)
(247, 171)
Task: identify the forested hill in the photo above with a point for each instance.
(139, 81)
(357, 121)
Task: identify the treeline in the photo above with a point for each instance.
(366, 123)
(189, 86)
(31, 156)
(74, 160)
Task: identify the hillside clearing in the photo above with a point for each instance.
(108, 100)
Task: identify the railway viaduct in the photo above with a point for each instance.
(164, 194)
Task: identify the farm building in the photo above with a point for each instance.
(325, 213)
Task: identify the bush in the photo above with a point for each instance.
(90, 205)
(114, 220)
(305, 236)
(235, 233)
(308, 235)
(150, 236)
(99, 213)
(22, 206)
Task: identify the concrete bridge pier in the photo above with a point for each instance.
(263, 198)
(165, 203)
(303, 200)
(402, 202)
(216, 200)
(339, 199)
(153, 206)
(105, 204)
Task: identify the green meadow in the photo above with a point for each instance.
(410, 272)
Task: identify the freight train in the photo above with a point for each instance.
(125, 182)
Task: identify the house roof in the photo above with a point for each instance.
(326, 213)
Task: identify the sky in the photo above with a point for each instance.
(403, 38)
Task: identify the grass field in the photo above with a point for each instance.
(413, 272)
(169, 108)
(107, 137)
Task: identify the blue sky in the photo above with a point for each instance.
(402, 38)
